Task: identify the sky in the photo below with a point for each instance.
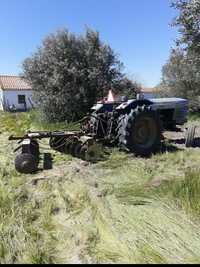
(139, 31)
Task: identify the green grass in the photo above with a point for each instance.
(19, 123)
(194, 117)
(120, 210)
(185, 192)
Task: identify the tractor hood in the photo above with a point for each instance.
(170, 102)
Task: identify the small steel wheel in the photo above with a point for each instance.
(190, 134)
(26, 163)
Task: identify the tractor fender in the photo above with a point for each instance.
(132, 104)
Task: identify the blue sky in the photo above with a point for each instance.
(138, 30)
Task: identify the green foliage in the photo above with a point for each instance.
(181, 78)
(188, 23)
(181, 74)
(69, 73)
(20, 123)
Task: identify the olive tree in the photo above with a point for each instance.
(181, 74)
(69, 73)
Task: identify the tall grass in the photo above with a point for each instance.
(19, 123)
(185, 192)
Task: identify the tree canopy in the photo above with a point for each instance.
(181, 74)
(69, 73)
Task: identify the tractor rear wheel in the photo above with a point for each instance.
(140, 131)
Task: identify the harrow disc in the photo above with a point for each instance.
(57, 143)
(83, 151)
(68, 143)
(90, 151)
(77, 149)
(93, 152)
(73, 145)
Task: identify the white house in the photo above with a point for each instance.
(15, 93)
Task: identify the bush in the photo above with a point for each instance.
(69, 73)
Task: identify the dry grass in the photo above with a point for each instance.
(121, 210)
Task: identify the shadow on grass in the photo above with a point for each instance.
(169, 147)
(47, 161)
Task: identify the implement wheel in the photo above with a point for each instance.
(140, 131)
(26, 163)
(190, 134)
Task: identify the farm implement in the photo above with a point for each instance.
(134, 125)
(74, 143)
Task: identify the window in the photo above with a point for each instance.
(21, 99)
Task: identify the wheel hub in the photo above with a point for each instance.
(144, 132)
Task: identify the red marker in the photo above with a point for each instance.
(110, 96)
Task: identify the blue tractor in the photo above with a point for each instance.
(136, 125)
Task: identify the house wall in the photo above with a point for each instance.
(1, 99)
(10, 97)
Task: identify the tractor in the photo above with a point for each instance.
(134, 125)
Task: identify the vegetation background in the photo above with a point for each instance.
(181, 74)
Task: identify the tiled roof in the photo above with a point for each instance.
(8, 82)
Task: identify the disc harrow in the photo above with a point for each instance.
(77, 144)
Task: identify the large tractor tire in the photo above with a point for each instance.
(26, 163)
(190, 136)
(139, 131)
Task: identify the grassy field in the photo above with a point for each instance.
(120, 210)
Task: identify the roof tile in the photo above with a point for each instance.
(8, 82)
